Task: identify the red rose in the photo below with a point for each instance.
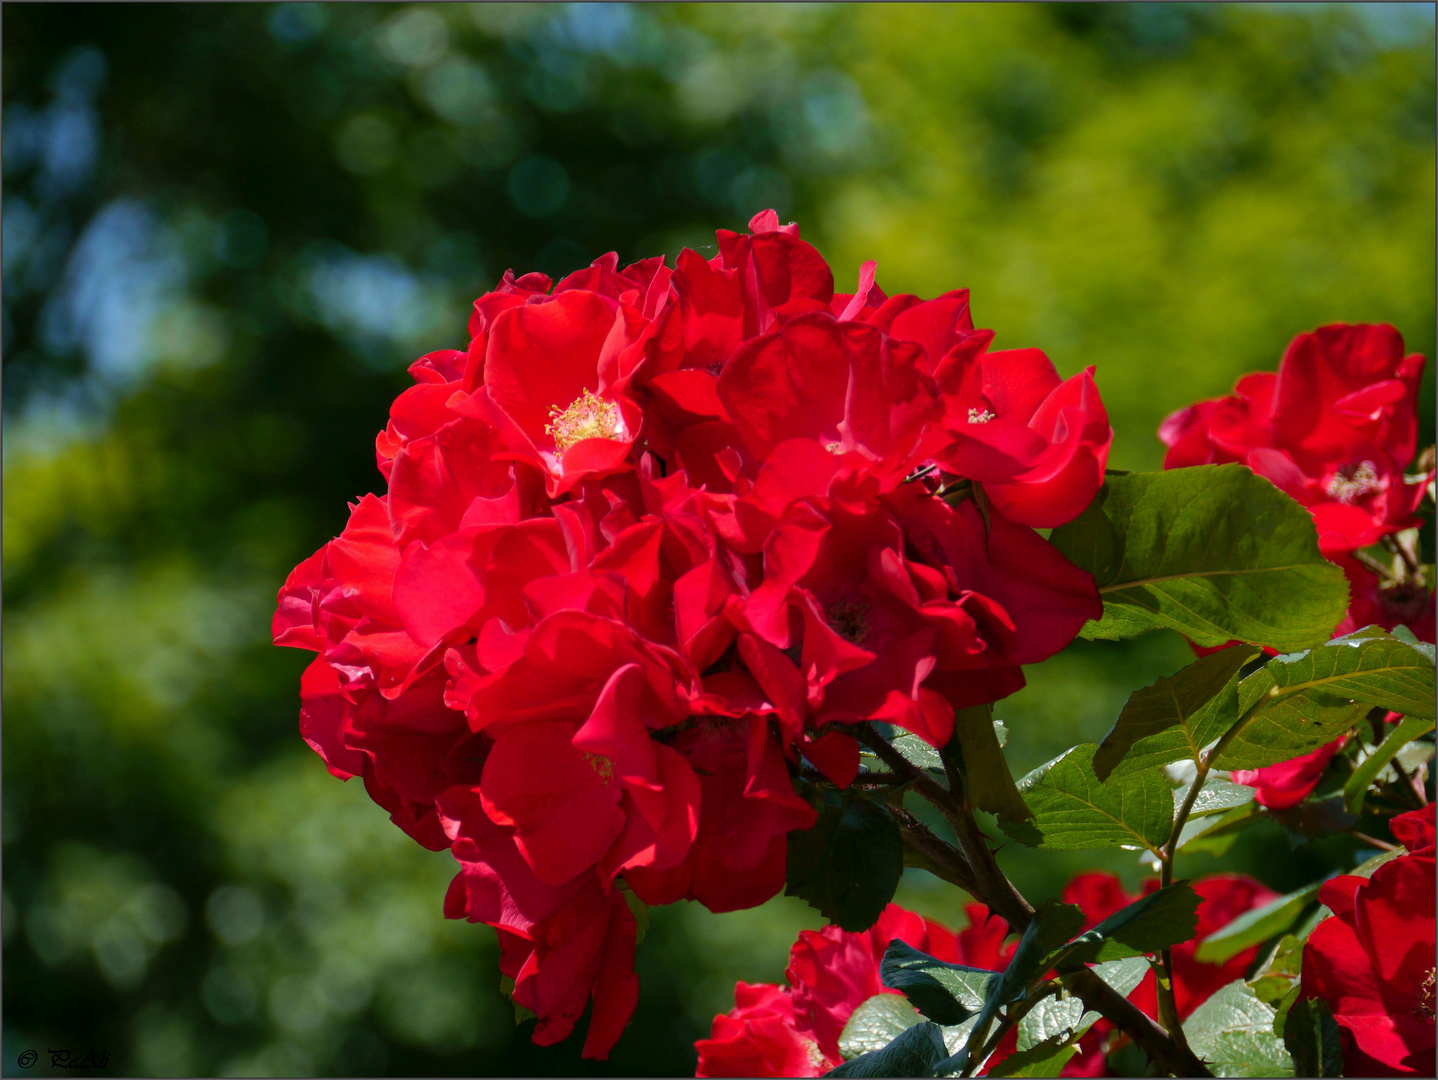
(760, 1037)
(646, 540)
(1038, 444)
(794, 1030)
(1334, 429)
(1372, 960)
(1288, 783)
(561, 944)
(1224, 897)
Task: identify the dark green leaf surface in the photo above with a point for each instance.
(1290, 727)
(1260, 924)
(1213, 551)
(1356, 789)
(1311, 1035)
(1053, 925)
(1313, 819)
(914, 1052)
(1045, 1059)
(1154, 922)
(1175, 717)
(1073, 809)
(987, 780)
(1233, 1033)
(946, 993)
(848, 865)
(1214, 835)
(876, 1023)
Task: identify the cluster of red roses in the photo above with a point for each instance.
(1372, 961)
(794, 1030)
(655, 536)
(1335, 427)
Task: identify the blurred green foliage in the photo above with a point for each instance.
(228, 229)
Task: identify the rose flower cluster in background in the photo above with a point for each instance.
(655, 536)
(1335, 428)
(794, 1030)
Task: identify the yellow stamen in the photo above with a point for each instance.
(587, 417)
(1353, 481)
(601, 765)
(980, 416)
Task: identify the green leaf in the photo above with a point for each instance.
(875, 1024)
(1175, 717)
(946, 993)
(506, 987)
(848, 865)
(1053, 925)
(1311, 1035)
(914, 1052)
(1072, 808)
(1280, 1015)
(1045, 1059)
(987, 780)
(1302, 700)
(1215, 835)
(1123, 975)
(1260, 924)
(1154, 922)
(1356, 790)
(1213, 552)
(1055, 1017)
(1365, 869)
(1279, 970)
(1290, 727)
(1368, 665)
(921, 755)
(1217, 796)
(1233, 1033)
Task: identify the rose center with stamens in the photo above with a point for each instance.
(815, 1055)
(980, 416)
(587, 417)
(1353, 481)
(850, 620)
(1424, 1007)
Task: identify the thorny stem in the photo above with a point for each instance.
(940, 858)
(1162, 1049)
(983, 879)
